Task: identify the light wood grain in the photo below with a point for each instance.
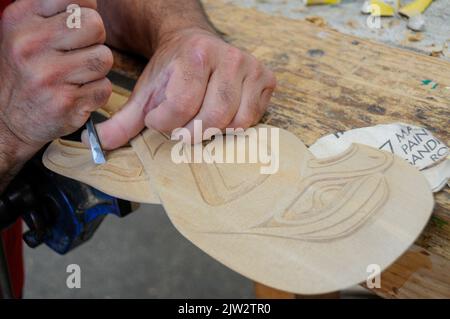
(312, 227)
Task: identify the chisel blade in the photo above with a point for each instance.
(96, 148)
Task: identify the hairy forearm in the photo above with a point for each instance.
(141, 25)
(13, 155)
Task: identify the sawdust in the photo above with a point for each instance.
(352, 24)
(393, 23)
(436, 50)
(437, 54)
(415, 37)
(299, 10)
(318, 21)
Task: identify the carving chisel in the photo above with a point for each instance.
(94, 141)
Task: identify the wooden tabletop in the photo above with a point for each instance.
(329, 82)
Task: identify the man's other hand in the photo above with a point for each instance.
(52, 76)
(193, 75)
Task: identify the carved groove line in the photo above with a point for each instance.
(214, 188)
(356, 196)
(110, 170)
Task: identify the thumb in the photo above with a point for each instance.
(121, 128)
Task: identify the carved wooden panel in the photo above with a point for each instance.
(312, 227)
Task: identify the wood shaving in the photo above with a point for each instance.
(353, 24)
(415, 37)
(318, 21)
(436, 54)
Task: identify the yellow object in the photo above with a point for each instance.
(384, 8)
(414, 8)
(313, 2)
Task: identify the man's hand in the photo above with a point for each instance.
(193, 75)
(52, 77)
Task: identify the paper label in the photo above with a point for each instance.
(414, 144)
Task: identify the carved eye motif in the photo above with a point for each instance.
(335, 198)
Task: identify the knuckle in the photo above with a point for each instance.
(219, 117)
(227, 95)
(22, 45)
(100, 61)
(101, 94)
(95, 24)
(16, 49)
(42, 79)
(66, 102)
(21, 48)
(199, 57)
(11, 15)
(235, 56)
(184, 106)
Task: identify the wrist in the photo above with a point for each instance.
(13, 155)
(171, 31)
(13, 151)
(178, 34)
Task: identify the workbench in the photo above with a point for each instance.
(329, 82)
